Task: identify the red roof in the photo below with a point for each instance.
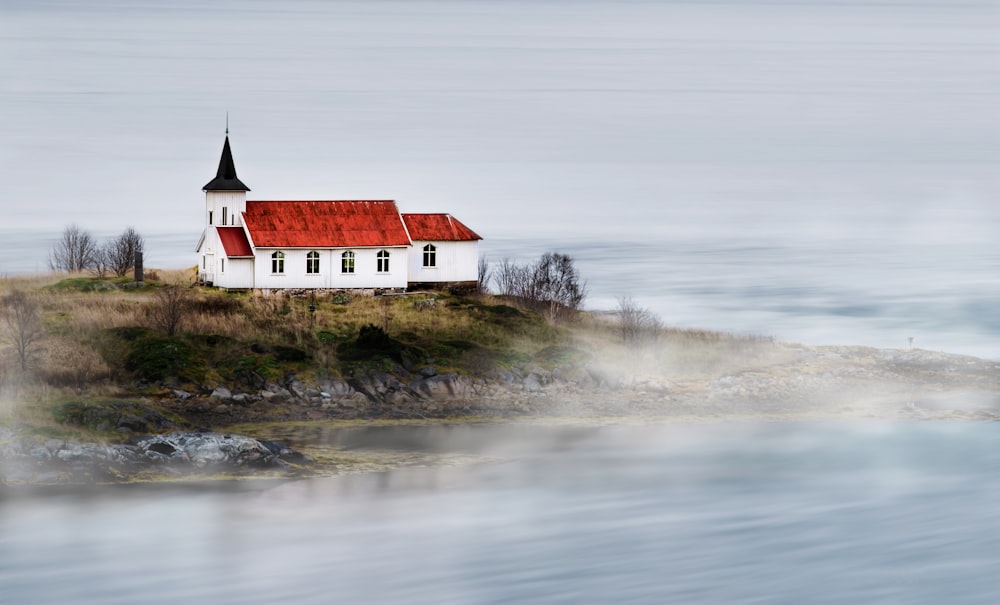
(437, 228)
(234, 241)
(325, 224)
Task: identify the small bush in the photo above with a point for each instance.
(155, 358)
(292, 354)
(373, 338)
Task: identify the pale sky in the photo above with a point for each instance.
(535, 116)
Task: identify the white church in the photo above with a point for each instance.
(348, 244)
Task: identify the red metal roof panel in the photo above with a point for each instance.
(234, 241)
(325, 224)
(438, 227)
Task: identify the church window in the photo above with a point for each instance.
(224, 214)
(223, 265)
(383, 261)
(347, 262)
(312, 262)
(209, 217)
(278, 262)
(430, 255)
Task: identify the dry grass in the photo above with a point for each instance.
(445, 326)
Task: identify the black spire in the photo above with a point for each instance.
(226, 179)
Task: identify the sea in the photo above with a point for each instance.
(733, 513)
(818, 171)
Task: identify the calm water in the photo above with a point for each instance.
(774, 513)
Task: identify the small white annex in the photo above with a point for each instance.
(335, 244)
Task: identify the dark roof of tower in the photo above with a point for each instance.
(226, 179)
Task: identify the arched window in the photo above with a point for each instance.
(430, 255)
(383, 261)
(278, 262)
(347, 262)
(312, 262)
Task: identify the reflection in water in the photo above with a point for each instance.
(880, 512)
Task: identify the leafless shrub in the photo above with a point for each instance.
(120, 252)
(638, 326)
(76, 250)
(508, 277)
(167, 311)
(23, 325)
(485, 274)
(550, 286)
(101, 262)
(555, 282)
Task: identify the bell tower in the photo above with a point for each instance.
(225, 195)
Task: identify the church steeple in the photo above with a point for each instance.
(226, 179)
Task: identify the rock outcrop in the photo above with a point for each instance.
(25, 459)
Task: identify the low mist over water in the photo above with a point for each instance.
(723, 513)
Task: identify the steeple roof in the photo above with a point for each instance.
(226, 179)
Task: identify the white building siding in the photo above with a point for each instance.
(234, 203)
(238, 273)
(365, 274)
(456, 261)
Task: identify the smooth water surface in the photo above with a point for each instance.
(713, 513)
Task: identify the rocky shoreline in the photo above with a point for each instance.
(28, 460)
(801, 381)
(797, 383)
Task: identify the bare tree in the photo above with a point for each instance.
(638, 325)
(169, 307)
(509, 278)
(551, 285)
(485, 275)
(23, 325)
(101, 262)
(75, 251)
(121, 251)
(555, 282)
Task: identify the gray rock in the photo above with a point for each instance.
(531, 383)
(181, 394)
(222, 393)
(298, 388)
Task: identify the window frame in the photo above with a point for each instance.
(382, 261)
(277, 263)
(430, 256)
(312, 263)
(348, 261)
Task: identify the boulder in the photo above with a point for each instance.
(221, 393)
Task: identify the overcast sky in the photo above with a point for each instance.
(541, 116)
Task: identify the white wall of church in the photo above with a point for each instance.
(456, 261)
(330, 275)
(225, 208)
(234, 273)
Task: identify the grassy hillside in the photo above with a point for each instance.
(100, 338)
